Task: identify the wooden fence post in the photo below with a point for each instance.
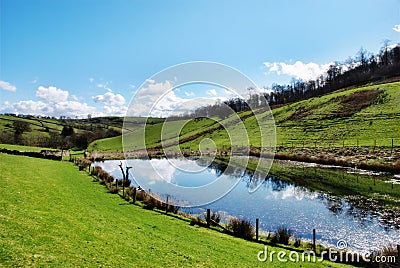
(392, 147)
(208, 219)
(116, 183)
(257, 229)
(314, 246)
(166, 205)
(134, 195)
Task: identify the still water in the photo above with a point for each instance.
(272, 200)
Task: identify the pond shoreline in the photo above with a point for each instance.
(272, 212)
(380, 159)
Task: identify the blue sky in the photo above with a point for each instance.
(90, 56)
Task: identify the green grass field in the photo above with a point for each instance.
(346, 117)
(22, 148)
(51, 214)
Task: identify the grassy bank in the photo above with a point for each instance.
(52, 214)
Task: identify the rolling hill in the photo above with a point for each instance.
(361, 116)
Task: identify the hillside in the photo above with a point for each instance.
(362, 116)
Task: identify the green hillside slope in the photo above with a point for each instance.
(363, 116)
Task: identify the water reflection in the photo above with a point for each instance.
(359, 221)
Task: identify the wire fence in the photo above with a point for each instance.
(345, 143)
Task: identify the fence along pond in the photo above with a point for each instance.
(275, 203)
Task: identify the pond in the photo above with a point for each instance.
(275, 202)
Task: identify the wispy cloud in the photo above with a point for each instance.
(211, 92)
(105, 86)
(34, 80)
(300, 70)
(7, 86)
(396, 28)
(189, 94)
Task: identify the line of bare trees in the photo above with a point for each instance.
(365, 67)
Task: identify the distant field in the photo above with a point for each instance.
(51, 214)
(363, 116)
(22, 148)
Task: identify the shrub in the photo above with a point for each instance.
(283, 235)
(112, 189)
(151, 203)
(96, 171)
(241, 228)
(216, 217)
(297, 242)
(140, 195)
(127, 182)
(389, 250)
(172, 208)
(198, 221)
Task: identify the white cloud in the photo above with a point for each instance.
(396, 28)
(65, 108)
(115, 110)
(57, 102)
(211, 92)
(158, 99)
(153, 89)
(113, 103)
(52, 94)
(54, 103)
(300, 70)
(31, 107)
(91, 79)
(7, 86)
(73, 108)
(110, 99)
(189, 94)
(155, 99)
